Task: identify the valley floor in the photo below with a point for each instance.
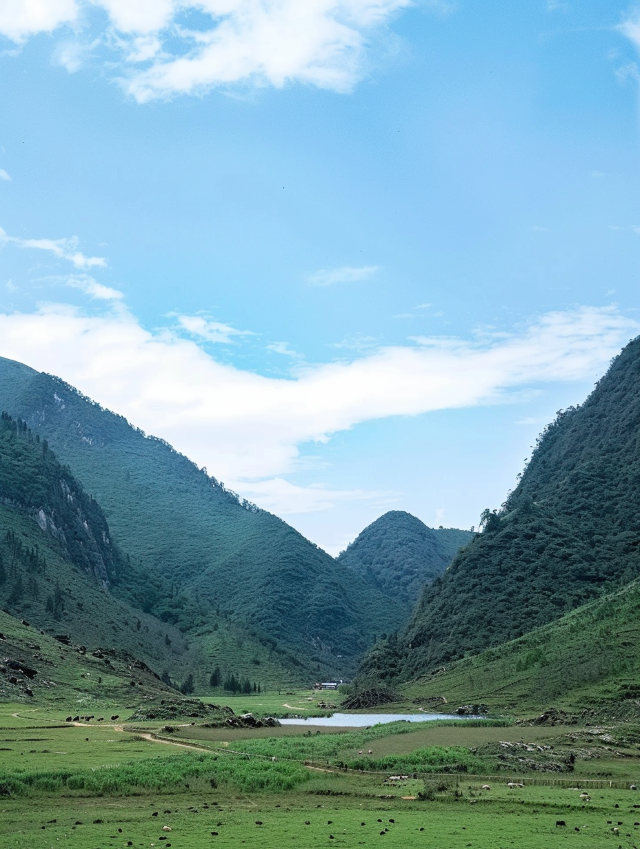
(91, 786)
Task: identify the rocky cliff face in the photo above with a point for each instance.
(32, 479)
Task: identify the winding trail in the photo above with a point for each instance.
(153, 739)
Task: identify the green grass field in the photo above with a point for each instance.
(494, 819)
(60, 789)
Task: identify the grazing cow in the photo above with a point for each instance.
(370, 751)
(486, 787)
(560, 823)
(166, 828)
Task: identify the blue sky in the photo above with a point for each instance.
(350, 255)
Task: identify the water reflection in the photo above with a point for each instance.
(361, 720)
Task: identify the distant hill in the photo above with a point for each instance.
(569, 532)
(399, 554)
(202, 559)
(588, 659)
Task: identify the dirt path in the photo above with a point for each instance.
(153, 739)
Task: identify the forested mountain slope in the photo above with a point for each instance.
(569, 532)
(57, 561)
(588, 659)
(183, 529)
(399, 554)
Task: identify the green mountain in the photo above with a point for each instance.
(201, 558)
(398, 554)
(58, 565)
(588, 659)
(569, 532)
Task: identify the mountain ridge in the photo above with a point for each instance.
(227, 557)
(399, 554)
(569, 532)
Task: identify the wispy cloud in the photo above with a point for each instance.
(631, 28)
(625, 228)
(212, 331)
(346, 274)
(66, 249)
(94, 289)
(358, 342)
(3, 175)
(156, 53)
(285, 349)
(288, 499)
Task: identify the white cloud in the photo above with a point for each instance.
(4, 175)
(347, 274)
(631, 29)
(285, 349)
(61, 248)
(287, 499)
(245, 427)
(357, 342)
(94, 289)
(212, 331)
(22, 18)
(156, 54)
(629, 228)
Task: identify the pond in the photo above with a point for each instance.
(362, 720)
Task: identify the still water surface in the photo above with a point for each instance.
(361, 720)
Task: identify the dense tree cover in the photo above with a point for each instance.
(32, 477)
(215, 557)
(569, 532)
(38, 582)
(589, 657)
(399, 554)
(54, 544)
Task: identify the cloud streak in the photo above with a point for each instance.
(66, 249)
(246, 427)
(211, 331)
(158, 52)
(346, 274)
(93, 289)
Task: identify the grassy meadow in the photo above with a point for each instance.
(89, 786)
